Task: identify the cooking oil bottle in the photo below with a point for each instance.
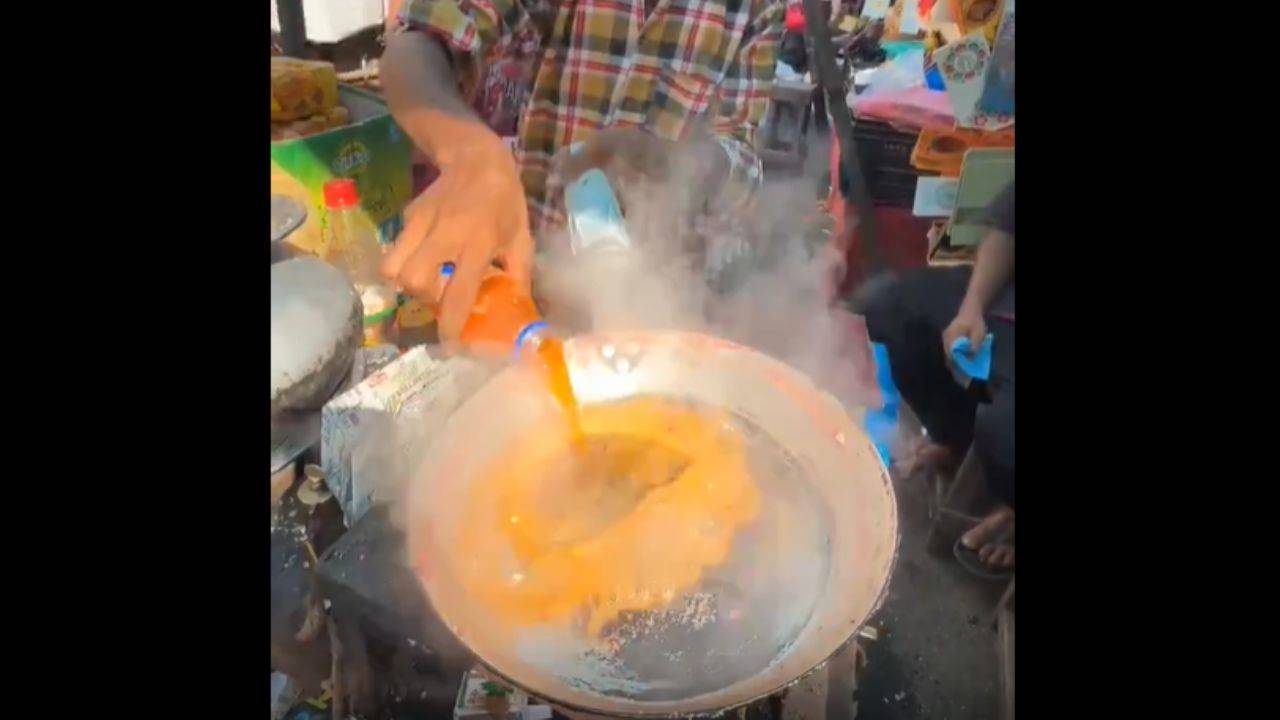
(351, 244)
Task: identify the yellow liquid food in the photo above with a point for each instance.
(627, 521)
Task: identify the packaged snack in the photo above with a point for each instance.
(301, 88)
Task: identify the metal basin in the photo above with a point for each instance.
(315, 330)
(797, 585)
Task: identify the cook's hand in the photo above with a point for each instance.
(967, 323)
(472, 215)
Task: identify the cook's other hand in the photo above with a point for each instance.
(475, 213)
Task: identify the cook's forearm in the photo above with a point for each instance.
(422, 92)
(992, 271)
(392, 19)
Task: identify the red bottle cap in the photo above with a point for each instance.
(341, 193)
(795, 18)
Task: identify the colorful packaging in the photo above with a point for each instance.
(372, 150)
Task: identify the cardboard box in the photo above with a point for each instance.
(372, 436)
(372, 149)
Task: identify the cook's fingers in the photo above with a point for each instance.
(420, 275)
(460, 292)
(517, 258)
(418, 219)
(948, 339)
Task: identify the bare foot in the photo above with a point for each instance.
(991, 541)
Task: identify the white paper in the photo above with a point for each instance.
(935, 196)
(470, 701)
(371, 434)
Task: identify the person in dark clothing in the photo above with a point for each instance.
(918, 318)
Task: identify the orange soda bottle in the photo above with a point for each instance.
(505, 319)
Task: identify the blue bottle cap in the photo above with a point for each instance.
(526, 332)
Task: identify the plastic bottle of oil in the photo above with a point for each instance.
(351, 244)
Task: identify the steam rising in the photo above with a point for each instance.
(760, 277)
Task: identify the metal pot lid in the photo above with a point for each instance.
(287, 215)
(315, 331)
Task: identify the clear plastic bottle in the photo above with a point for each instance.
(351, 244)
(596, 226)
(602, 249)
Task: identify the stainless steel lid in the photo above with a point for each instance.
(315, 331)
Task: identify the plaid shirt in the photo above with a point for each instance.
(603, 64)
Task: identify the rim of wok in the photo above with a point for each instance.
(849, 637)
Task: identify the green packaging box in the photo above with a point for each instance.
(372, 149)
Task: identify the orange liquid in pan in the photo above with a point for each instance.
(621, 508)
(570, 534)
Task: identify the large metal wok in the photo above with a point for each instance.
(797, 586)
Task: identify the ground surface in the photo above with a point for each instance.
(936, 656)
